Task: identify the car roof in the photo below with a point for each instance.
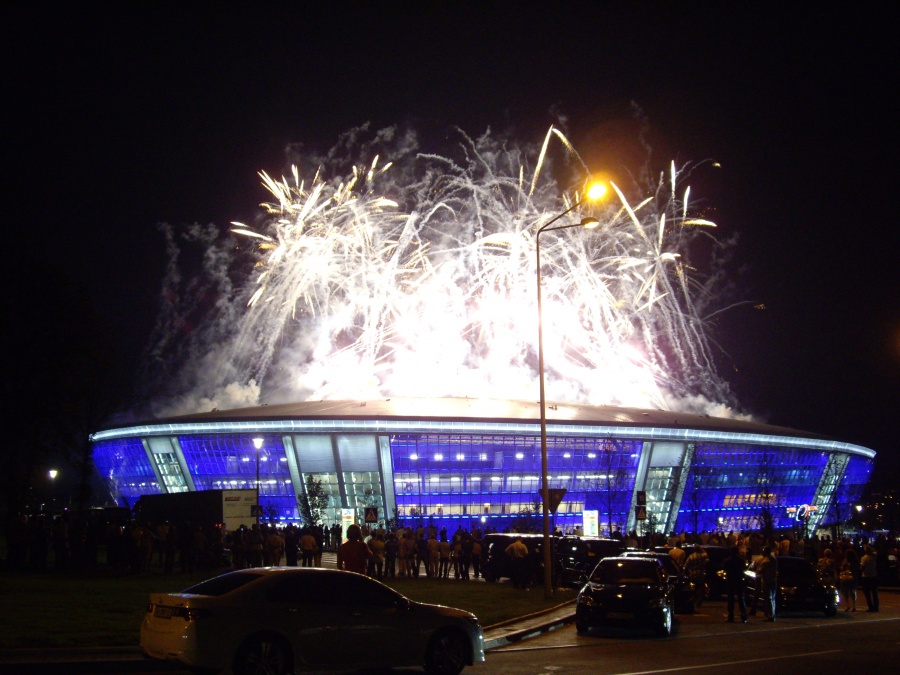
(631, 559)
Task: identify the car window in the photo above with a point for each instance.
(223, 584)
(331, 588)
(797, 569)
(358, 590)
(626, 572)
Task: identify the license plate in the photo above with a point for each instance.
(619, 615)
(163, 612)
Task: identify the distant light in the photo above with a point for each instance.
(592, 455)
(438, 457)
(567, 455)
(414, 456)
(482, 456)
(460, 455)
(520, 455)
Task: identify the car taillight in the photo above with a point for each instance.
(150, 608)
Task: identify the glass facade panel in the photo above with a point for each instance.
(736, 487)
(332, 488)
(457, 480)
(126, 470)
(218, 462)
(364, 489)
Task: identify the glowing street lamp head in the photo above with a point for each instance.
(590, 223)
(596, 191)
(53, 473)
(257, 443)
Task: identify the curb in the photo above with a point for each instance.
(540, 622)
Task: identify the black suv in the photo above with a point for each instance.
(497, 564)
(578, 556)
(800, 588)
(633, 592)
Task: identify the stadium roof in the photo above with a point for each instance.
(416, 415)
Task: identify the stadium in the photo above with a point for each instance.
(477, 463)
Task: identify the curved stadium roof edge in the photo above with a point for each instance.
(401, 415)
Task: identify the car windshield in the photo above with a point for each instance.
(795, 569)
(627, 572)
(223, 584)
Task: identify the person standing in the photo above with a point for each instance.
(695, 567)
(848, 578)
(733, 567)
(376, 545)
(434, 556)
(353, 554)
(391, 550)
(767, 571)
(517, 552)
(307, 547)
(869, 577)
(444, 569)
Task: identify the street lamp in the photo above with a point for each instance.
(53, 473)
(596, 191)
(257, 443)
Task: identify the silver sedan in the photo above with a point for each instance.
(284, 619)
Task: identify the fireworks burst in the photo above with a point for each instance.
(417, 278)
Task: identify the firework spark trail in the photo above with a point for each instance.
(418, 280)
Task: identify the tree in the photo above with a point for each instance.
(529, 518)
(312, 502)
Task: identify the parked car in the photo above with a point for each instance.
(633, 592)
(684, 588)
(800, 588)
(282, 619)
(715, 576)
(578, 556)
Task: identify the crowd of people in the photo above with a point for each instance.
(847, 564)
(68, 543)
(409, 552)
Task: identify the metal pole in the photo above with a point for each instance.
(545, 478)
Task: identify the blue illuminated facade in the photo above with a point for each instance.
(461, 462)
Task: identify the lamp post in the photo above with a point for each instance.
(52, 473)
(595, 192)
(257, 443)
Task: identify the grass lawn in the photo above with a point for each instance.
(104, 610)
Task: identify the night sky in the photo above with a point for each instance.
(122, 117)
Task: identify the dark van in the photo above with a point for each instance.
(497, 564)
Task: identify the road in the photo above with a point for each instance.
(796, 644)
(701, 643)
